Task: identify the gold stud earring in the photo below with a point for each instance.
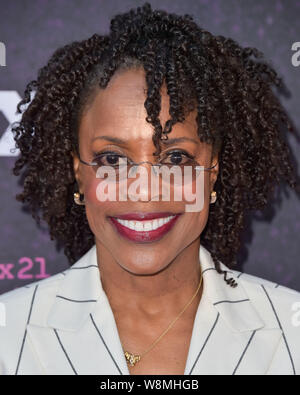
(213, 197)
(77, 199)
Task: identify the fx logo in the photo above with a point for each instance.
(2, 54)
(8, 107)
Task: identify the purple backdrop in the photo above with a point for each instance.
(31, 31)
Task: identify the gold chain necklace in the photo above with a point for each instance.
(132, 359)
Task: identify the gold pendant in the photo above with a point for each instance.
(131, 358)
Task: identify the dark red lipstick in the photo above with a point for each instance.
(144, 236)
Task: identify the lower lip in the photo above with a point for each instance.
(145, 236)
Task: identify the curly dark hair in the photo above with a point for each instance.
(237, 112)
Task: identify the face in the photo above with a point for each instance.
(115, 121)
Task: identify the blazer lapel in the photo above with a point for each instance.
(73, 331)
(78, 333)
(229, 336)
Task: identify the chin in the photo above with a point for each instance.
(140, 270)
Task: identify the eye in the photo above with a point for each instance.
(109, 158)
(177, 157)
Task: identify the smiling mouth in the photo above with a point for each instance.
(144, 226)
(144, 230)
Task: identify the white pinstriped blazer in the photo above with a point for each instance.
(65, 325)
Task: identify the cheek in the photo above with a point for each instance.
(94, 189)
(195, 222)
(95, 209)
(90, 191)
(196, 197)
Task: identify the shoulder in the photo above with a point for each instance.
(263, 292)
(23, 295)
(31, 304)
(279, 307)
(16, 310)
(255, 283)
(15, 304)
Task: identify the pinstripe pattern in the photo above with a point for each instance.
(231, 301)
(25, 333)
(279, 323)
(67, 356)
(205, 343)
(108, 350)
(243, 354)
(236, 330)
(76, 301)
(83, 267)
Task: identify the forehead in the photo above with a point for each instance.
(119, 110)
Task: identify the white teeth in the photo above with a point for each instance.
(148, 226)
(142, 226)
(160, 221)
(139, 226)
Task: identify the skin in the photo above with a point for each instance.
(147, 284)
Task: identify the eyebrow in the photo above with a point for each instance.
(109, 138)
(179, 140)
(166, 142)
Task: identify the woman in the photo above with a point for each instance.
(149, 290)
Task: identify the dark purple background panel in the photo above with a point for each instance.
(32, 30)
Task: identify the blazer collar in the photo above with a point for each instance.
(87, 342)
(80, 291)
(233, 304)
(78, 294)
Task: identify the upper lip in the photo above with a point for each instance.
(139, 216)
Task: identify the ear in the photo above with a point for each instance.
(76, 167)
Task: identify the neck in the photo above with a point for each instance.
(149, 295)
